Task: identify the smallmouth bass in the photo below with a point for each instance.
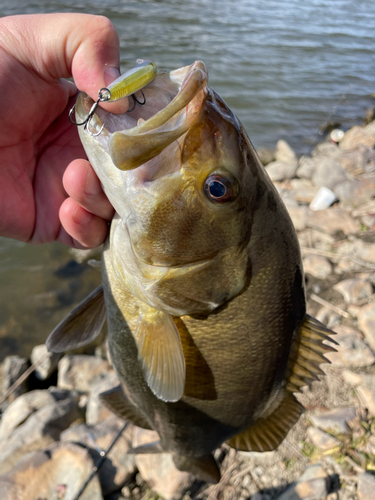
(202, 277)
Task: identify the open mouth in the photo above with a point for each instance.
(173, 103)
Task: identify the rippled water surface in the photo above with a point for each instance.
(283, 67)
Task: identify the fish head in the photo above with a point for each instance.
(177, 171)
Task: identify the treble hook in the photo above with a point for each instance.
(104, 95)
(135, 102)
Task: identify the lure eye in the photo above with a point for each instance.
(220, 189)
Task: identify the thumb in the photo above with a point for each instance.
(62, 45)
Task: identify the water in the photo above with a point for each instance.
(282, 67)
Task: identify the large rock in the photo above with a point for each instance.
(159, 470)
(312, 485)
(321, 439)
(96, 411)
(49, 364)
(285, 153)
(332, 220)
(81, 372)
(318, 266)
(41, 429)
(357, 248)
(119, 466)
(13, 368)
(358, 135)
(56, 472)
(21, 408)
(328, 173)
(351, 193)
(279, 170)
(306, 167)
(353, 289)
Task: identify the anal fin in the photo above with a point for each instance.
(267, 433)
(82, 325)
(116, 401)
(204, 468)
(160, 352)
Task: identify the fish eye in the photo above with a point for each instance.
(220, 189)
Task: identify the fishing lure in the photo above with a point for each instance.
(125, 85)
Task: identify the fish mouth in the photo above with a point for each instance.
(174, 102)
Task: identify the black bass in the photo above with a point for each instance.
(202, 277)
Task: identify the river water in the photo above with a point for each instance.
(283, 67)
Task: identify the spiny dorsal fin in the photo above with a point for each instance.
(267, 433)
(305, 367)
(160, 352)
(82, 325)
(116, 401)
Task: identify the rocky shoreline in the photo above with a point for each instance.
(54, 429)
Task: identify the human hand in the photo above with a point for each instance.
(43, 167)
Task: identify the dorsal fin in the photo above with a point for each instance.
(267, 433)
(82, 325)
(304, 368)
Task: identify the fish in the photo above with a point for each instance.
(202, 278)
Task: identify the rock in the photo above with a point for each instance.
(357, 161)
(285, 153)
(358, 135)
(321, 439)
(317, 266)
(329, 318)
(299, 217)
(366, 323)
(303, 190)
(14, 367)
(96, 411)
(328, 173)
(159, 470)
(335, 420)
(306, 167)
(366, 486)
(352, 349)
(40, 429)
(56, 472)
(332, 220)
(279, 171)
(80, 372)
(326, 150)
(314, 489)
(266, 155)
(352, 193)
(353, 290)
(356, 379)
(357, 248)
(367, 399)
(120, 466)
(49, 364)
(21, 408)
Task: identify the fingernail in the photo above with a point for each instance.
(110, 74)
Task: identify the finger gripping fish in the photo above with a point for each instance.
(202, 278)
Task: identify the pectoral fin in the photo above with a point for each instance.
(82, 325)
(267, 433)
(116, 401)
(161, 355)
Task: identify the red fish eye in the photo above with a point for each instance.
(219, 189)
